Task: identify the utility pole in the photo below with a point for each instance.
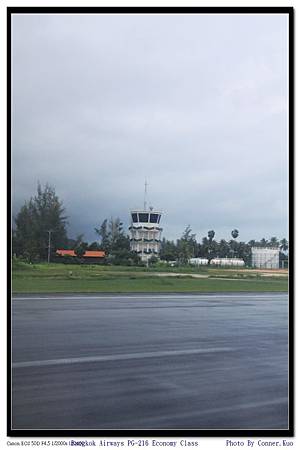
(49, 244)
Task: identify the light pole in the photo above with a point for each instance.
(49, 244)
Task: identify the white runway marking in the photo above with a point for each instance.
(121, 357)
(152, 296)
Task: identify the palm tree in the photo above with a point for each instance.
(235, 233)
(233, 244)
(263, 242)
(204, 247)
(274, 242)
(284, 245)
(211, 235)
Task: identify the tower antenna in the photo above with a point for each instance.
(145, 195)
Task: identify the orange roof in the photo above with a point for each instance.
(65, 252)
(94, 254)
(87, 254)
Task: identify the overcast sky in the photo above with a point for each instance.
(197, 104)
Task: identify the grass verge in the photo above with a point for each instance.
(44, 278)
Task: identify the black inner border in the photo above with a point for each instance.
(157, 433)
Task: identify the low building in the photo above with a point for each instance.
(198, 261)
(228, 262)
(224, 262)
(265, 257)
(90, 256)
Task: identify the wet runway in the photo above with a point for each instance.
(150, 361)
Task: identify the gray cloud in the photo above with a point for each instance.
(195, 103)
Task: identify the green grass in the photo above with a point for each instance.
(42, 278)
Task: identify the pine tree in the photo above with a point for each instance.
(40, 215)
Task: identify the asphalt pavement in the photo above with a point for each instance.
(150, 361)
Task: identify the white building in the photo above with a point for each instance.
(225, 262)
(198, 261)
(145, 233)
(228, 262)
(265, 258)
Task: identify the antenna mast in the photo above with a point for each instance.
(145, 195)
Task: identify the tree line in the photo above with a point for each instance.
(187, 247)
(40, 228)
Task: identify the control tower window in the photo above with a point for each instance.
(154, 218)
(134, 217)
(143, 217)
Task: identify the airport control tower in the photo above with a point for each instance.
(145, 232)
